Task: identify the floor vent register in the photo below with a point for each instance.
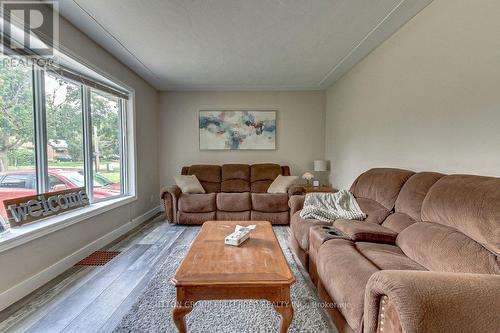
(98, 258)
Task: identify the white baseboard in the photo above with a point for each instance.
(34, 282)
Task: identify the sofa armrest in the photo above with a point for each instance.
(423, 301)
(170, 195)
(295, 190)
(296, 202)
(360, 231)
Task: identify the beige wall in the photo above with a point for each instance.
(25, 261)
(300, 129)
(426, 99)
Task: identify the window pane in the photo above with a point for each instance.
(106, 155)
(17, 151)
(64, 133)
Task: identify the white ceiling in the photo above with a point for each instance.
(240, 44)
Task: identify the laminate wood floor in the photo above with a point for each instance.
(95, 299)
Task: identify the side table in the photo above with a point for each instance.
(324, 188)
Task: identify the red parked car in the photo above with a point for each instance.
(20, 183)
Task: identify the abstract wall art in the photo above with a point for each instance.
(237, 130)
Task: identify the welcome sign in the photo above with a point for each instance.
(35, 207)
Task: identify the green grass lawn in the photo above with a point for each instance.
(51, 164)
(113, 176)
(66, 164)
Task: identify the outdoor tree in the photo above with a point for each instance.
(105, 127)
(63, 115)
(16, 109)
(64, 119)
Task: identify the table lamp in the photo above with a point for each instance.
(320, 166)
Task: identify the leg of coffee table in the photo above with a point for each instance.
(178, 314)
(286, 313)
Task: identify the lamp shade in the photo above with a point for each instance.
(320, 165)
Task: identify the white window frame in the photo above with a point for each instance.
(40, 126)
(87, 128)
(128, 170)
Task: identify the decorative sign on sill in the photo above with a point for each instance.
(35, 207)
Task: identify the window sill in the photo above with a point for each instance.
(26, 233)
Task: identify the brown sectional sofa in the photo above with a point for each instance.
(233, 192)
(438, 273)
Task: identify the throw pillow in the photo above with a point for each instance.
(189, 184)
(281, 184)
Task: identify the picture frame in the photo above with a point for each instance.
(237, 129)
(315, 183)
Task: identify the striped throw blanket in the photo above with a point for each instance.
(331, 206)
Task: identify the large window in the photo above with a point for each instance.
(106, 143)
(65, 152)
(59, 132)
(17, 134)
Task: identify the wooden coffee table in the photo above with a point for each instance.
(257, 269)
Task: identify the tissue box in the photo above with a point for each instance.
(237, 237)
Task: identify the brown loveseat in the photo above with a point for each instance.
(426, 259)
(233, 192)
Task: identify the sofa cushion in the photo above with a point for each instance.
(299, 228)
(197, 203)
(409, 202)
(274, 218)
(344, 268)
(260, 186)
(211, 187)
(188, 184)
(208, 175)
(381, 185)
(233, 216)
(344, 273)
(270, 202)
(235, 186)
(264, 171)
(413, 193)
(235, 178)
(387, 256)
(262, 175)
(236, 171)
(195, 218)
(469, 204)
(281, 184)
(398, 222)
(234, 202)
(365, 232)
(375, 212)
(441, 248)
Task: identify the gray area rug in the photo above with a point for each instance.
(152, 312)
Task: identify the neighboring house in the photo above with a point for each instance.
(57, 149)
